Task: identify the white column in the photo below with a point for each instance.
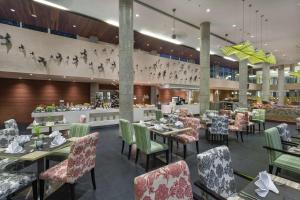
(265, 82)
(243, 83)
(280, 85)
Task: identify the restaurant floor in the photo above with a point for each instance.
(115, 174)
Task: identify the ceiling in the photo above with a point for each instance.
(281, 34)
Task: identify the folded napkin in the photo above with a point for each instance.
(14, 147)
(163, 120)
(179, 124)
(58, 140)
(54, 134)
(158, 127)
(21, 139)
(142, 122)
(35, 123)
(264, 184)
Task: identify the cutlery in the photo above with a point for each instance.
(249, 195)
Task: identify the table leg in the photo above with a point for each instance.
(170, 144)
(40, 169)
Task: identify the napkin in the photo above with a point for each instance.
(142, 122)
(14, 147)
(163, 120)
(58, 140)
(21, 139)
(54, 134)
(179, 124)
(264, 184)
(35, 123)
(158, 127)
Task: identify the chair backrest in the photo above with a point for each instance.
(216, 172)
(273, 140)
(183, 112)
(193, 123)
(11, 123)
(82, 157)
(224, 112)
(241, 120)
(7, 135)
(170, 182)
(79, 129)
(142, 136)
(219, 125)
(158, 115)
(241, 109)
(259, 114)
(126, 131)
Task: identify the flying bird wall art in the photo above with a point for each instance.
(5, 41)
(42, 60)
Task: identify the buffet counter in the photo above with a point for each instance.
(192, 108)
(95, 117)
(283, 113)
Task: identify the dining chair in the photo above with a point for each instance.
(128, 136)
(158, 115)
(189, 136)
(298, 123)
(146, 145)
(216, 174)
(14, 182)
(11, 123)
(259, 117)
(219, 128)
(77, 130)
(166, 183)
(278, 157)
(240, 125)
(82, 159)
(183, 112)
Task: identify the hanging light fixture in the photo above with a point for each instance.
(245, 50)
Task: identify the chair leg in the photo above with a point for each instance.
(47, 164)
(278, 170)
(154, 136)
(264, 125)
(197, 146)
(42, 188)
(93, 178)
(167, 156)
(258, 126)
(184, 151)
(271, 169)
(147, 162)
(241, 133)
(237, 135)
(123, 144)
(129, 152)
(34, 190)
(171, 146)
(72, 190)
(137, 155)
(164, 139)
(226, 139)
(177, 144)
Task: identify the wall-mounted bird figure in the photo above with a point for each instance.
(113, 66)
(195, 78)
(75, 60)
(42, 60)
(22, 49)
(104, 50)
(107, 60)
(84, 55)
(101, 68)
(91, 67)
(7, 41)
(59, 57)
(164, 73)
(96, 52)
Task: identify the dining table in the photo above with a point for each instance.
(288, 190)
(168, 131)
(33, 154)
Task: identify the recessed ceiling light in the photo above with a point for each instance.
(74, 26)
(298, 63)
(51, 4)
(233, 25)
(207, 10)
(198, 38)
(30, 74)
(276, 50)
(172, 50)
(49, 79)
(92, 78)
(20, 78)
(283, 55)
(137, 15)
(147, 45)
(64, 76)
(12, 10)
(266, 44)
(252, 36)
(34, 15)
(160, 47)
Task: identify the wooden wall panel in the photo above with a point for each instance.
(18, 98)
(165, 95)
(139, 92)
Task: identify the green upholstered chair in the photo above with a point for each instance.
(158, 115)
(128, 136)
(146, 145)
(277, 156)
(259, 116)
(241, 109)
(76, 130)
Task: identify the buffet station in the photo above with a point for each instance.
(52, 118)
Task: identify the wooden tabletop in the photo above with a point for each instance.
(277, 179)
(35, 155)
(174, 131)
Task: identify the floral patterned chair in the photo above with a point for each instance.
(11, 123)
(228, 114)
(128, 136)
(240, 125)
(216, 173)
(219, 128)
(171, 182)
(82, 159)
(184, 112)
(7, 135)
(12, 182)
(191, 136)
